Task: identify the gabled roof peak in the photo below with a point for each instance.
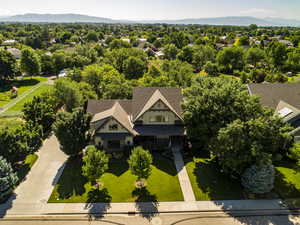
(156, 96)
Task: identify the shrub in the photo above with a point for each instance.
(259, 179)
(294, 152)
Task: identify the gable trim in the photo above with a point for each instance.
(157, 94)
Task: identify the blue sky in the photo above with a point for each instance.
(156, 9)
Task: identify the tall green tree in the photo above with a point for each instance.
(134, 68)
(212, 103)
(71, 129)
(92, 36)
(8, 65)
(202, 55)
(40, 111)
(254, 56)
(170, 51)
(30, 62)
(277, 53)
(67, 93)
(230, 59)
(17, 143)
(242, 144)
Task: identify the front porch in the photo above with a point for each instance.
(159, 143)
(113, 142)
(159, 137)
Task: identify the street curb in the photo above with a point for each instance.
(200, 213)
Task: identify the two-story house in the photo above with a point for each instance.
(152, 119)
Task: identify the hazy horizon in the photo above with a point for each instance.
(157, 9)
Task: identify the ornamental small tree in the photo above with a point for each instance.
(95, 163)
(8, 179)
(140, 162)
(259, 178)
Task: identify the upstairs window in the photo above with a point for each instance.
(113, 127)
(159, 119)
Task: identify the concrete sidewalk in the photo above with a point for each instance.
(147, 208)
(183, 177)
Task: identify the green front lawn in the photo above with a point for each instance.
(19, 106)
(23, 85)
(118, 184)
(287, 181)
(209, 183)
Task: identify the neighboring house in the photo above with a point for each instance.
(283, 98)
(9, 42)
(287, 43)
(160, 54)
(152, 119)
(15, 52)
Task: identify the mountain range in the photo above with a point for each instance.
(78, 18)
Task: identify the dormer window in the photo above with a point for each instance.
(113, 127)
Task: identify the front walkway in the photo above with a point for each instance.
(186, 187)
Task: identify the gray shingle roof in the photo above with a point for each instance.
(118, 113)
(96, 106)
(141, 96)
(272, 94)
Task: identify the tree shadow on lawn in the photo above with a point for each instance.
(117, 167)
(287, 191)
(71, 182)
(223, 189)
(165, 165)
(217, 185)
(18, 83)
(146, 202)
(98, 202)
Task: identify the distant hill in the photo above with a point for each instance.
(232, 20)
(77, 18)
(56, 18)
(285, 22)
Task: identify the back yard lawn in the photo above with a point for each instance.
(22, 85)
(19, 105)
(163, 184)
(10, 122)
(209, 183)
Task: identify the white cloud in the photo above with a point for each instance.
(258, 12)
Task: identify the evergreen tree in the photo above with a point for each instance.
(8, 179)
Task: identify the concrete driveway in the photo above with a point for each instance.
(32, 194)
